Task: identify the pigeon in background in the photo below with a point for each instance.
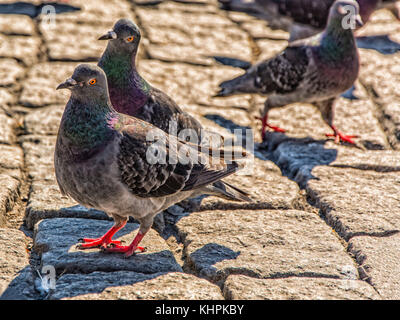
(104, 160)
(302, 18)
(313, 70)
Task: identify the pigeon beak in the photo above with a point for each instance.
(67, 84)
(359, 21)
(110, 35)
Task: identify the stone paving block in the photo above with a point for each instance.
(11, 157)
(6, 97)
(356, 190)
(181, 33)
(191, 84)
(25, 49)
(44, 121)
(95, 12)
(15, 273)
(238, 287)
(125, 285)
(39, 89)
(39, 156)
(15, 24)
(7, 125)
(74, 42)
(378, 258)
(259, 29)
(10, 72)
(357, 202)
(262, 244)
(9, 191)
(55, 240)
(380, 74)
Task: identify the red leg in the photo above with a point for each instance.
(266, 125)
(104, 240)
(128, 250)
(341, 137)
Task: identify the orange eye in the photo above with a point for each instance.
(129, 39)
(92, 81)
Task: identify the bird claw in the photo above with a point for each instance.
(127, 250)
(88, 243)
(339, 137)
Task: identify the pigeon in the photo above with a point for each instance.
(132, 95)
(109, 161)
(302, 18)
(312, 70)
(129, 92)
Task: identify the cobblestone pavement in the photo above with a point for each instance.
(325, 221)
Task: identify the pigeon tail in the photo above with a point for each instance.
(227, 191)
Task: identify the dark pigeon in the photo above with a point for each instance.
(302, 18)
(313, 70)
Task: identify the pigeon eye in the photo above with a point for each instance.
(129, 39)
(92, 81)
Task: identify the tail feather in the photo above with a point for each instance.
(227, 191)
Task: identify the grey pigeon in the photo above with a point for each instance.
(132, 95)
(313, 70)
(105, 160)
(302, 18)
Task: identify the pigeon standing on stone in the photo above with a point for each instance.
(313, 70)
(302, 18)
(105, 160)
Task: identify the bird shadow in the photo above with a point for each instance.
(296, 157)
(381, 43)
(32, 10)
(21, 287)
(207, 256)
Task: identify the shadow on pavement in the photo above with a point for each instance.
(31, 10)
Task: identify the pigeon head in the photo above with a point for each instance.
(125, 36)
(87, 82)
(346, 14)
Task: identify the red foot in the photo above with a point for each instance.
(128, 250)
(266, 125)
(341, 137)
(102, 241)
(88, 243)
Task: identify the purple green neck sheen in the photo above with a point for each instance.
(86, 124)
(336, 42)
(128, 90)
